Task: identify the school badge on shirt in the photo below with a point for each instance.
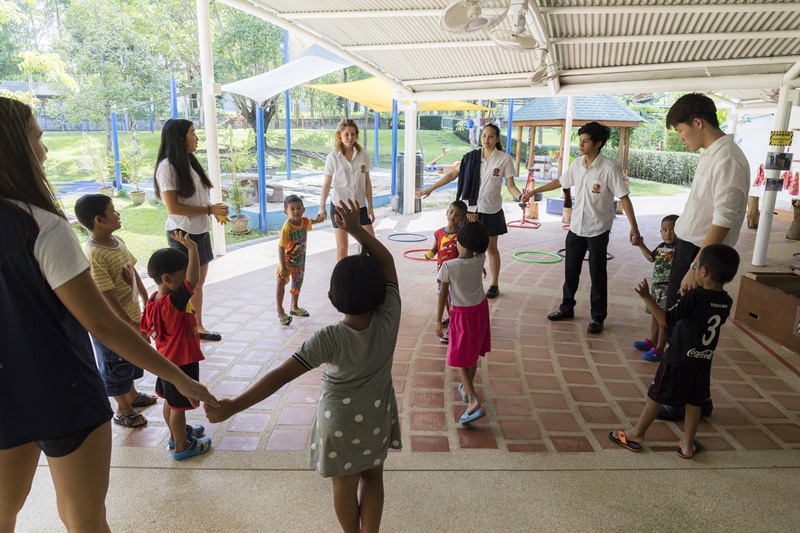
(363, 168)
(496, 171)
(596, 188)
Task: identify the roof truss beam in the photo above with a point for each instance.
(680, 37)
(363, 14)
(653, 9)
(722, 63)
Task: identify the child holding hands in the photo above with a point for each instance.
(445, 246)
(357, 417)
(120, 284)
(292, 257)
(469, 332)
(169, 319)
(661, 257)
(684, 375)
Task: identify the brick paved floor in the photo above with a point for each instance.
(547, 387)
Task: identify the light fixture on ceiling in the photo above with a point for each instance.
(473, 15)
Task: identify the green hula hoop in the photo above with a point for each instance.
(525, 252)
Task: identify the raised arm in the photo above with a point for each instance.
(193, 270)
(82, 298)
(643, 290)
(347, 219)
(444, 180)
(549, 186)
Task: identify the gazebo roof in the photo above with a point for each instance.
(602, 108)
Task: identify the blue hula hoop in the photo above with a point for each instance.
(419, 237)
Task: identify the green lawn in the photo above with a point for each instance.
(66, 162)
(143, 227)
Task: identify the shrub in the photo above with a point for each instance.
(430, 122)
(664, 167)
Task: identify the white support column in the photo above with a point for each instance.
(410, 165)
(210, 110)
(567, 133)
(781, 123)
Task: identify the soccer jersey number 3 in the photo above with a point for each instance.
(713, 327)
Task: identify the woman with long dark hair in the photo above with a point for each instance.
(52, 399)
(182, 184)
(480, 178)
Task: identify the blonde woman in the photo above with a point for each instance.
(347, 178)
(52, 397)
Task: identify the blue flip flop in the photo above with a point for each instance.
(468, 418)
(461, 393)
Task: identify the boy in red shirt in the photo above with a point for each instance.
(445, 246)
(170, 320)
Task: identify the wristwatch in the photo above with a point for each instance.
(694, 265)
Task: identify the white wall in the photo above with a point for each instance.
(752, 135)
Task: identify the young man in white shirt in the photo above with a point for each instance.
(596, 181)
(717, 203)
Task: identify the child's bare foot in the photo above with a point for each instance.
(628, 440)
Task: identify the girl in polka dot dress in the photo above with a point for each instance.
(357, 418)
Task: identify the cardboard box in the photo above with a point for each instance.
(769, 302)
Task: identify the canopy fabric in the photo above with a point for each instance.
(377, 95)
(313, 63)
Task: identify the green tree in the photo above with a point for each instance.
(245, 46)
(109, 46)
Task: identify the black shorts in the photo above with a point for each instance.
(680, 386)
(495, 223)
(363, 217)
(175, 400)
(203, 246)
(61, 446)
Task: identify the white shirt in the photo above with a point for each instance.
(167, 181)
(594, 189)
(494, 170)
(349, 178)
(719, 193)
(56, 249)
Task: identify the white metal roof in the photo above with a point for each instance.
(743, 49)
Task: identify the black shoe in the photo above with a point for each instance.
(493, 291)
(555, 316)
(595, 327)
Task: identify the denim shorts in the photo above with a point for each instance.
(117, 373)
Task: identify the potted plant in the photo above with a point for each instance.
(134, 168)
(238, 194)
(96, 164)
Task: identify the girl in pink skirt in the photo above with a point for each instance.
(469, 332)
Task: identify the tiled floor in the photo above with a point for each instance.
(549, 389)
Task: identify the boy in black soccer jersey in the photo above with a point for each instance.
(684, 375)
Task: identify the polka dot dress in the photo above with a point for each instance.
(357, 418)
(354, 431)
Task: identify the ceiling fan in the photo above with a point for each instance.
(473, 15)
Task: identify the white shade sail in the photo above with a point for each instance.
(313, 63)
